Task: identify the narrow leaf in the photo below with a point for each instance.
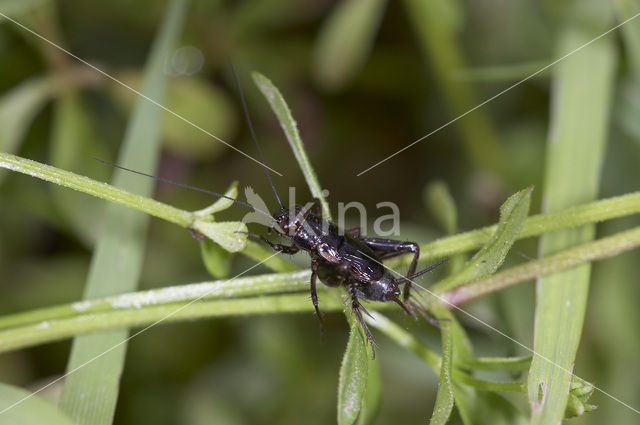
(352, 382)
(91, 389)
(221, 204)
(216, 259)
(444, 397)
(512, 215)
(583, 86)
(290, 128)
(372, 395)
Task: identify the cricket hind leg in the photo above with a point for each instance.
(389, 248)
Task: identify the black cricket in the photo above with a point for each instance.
(342, 258)
(350, 260)
(337, 258)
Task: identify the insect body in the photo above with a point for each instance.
(348, 260)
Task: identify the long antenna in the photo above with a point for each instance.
(165, 180)
(421, 272)
(245, 110)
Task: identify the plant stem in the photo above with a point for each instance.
(221, 289)
(151, 315)
(601, 248)
(593, 212)
(96, 188)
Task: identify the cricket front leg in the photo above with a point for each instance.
(314, 294)
(285, 249)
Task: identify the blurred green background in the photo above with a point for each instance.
(363, 79)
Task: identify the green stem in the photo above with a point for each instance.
(150, 315)
(96, 188)
(207, 291)
(601, 248)
(593, 212)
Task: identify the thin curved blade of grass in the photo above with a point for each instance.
(581, 102)
(96, 362)
(21, 407)
(486, 261)
(352, 382)
(345, 40)
(18, 108)
(290, 128)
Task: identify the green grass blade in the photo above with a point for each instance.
(290, 128)
(91, 390)
(345, 41)
(20, 407)
(583, 87)
(352, 383)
